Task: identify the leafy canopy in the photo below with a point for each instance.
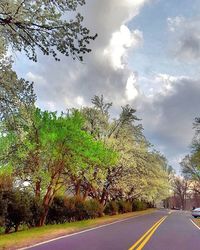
(44, 24)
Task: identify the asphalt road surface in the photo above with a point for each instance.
(162, 230)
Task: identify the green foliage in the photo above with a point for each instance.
(73, 209)
(94, 208)
(28, 25)
(16, 209)
(87, 154)
(76, 209)
(111, 208)
(36, 208)
(124, 206)
(139, 205)
(58, 212)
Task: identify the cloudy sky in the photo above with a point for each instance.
(147, 54)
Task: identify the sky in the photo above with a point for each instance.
(147, 54)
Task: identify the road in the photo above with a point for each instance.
(162, 230)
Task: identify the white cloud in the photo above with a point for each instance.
(159, 84)
(131, 91)
(80, 100)
(168, 115)
(119, 43)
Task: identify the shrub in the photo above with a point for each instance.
(138, 205)
(93, 208)
(124, 206)
(57, 212)
(36, 211)
(75, 209)
(18, 210)
(111, 208)
(69, 204)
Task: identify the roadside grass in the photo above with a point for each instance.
(35, 235)
(197, 221)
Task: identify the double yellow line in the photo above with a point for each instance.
(146, 237)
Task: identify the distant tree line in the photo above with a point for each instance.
(186, 188)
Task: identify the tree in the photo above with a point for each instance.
(191, 166)
(181, 188)
(53, 147)
(16, 96)
(130, 176)
(28, 25)
(191, 163)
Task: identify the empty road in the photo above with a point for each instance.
(162, 230)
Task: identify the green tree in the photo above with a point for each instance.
(52, 147)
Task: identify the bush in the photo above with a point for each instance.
(124, 206)
(36, 211)
(93, 208)
(18, 207)
(77, 209)
(57, 212)
(138, 205)
(111, 208)
(17, 210)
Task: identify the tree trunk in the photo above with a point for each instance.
(85, 195)
(48, 198)
(103, 197)
(37, 190)
(16, 228)
(43, 216)
(78, 189)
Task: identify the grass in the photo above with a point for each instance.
(36, 235)
(197, 221)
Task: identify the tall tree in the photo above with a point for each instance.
(129, 177)
(181, 188)
(52, 147)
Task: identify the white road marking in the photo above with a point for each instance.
(84, 231)
(195, 224)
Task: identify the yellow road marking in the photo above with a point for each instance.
(150, 232)
(149, 236)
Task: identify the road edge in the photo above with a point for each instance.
(195, 224)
